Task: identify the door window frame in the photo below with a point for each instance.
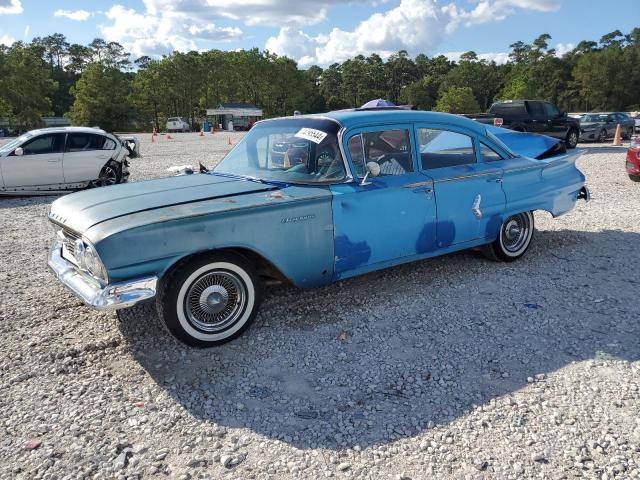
(381, 128)
(37, 137)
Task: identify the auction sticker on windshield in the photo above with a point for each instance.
(311, 134)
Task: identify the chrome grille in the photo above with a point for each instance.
(68, 239)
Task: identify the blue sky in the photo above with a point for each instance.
(319, 31)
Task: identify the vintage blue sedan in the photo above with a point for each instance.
(308, 200)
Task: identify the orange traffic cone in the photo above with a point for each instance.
(153, 139)
(229, 141)
(154, 132)
(617, 139)
(169, 137)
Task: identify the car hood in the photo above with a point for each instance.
(528, 144)
(81, 211)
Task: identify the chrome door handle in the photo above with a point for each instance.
(475, 208)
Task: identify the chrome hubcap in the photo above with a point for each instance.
(515, 233)
(215, 300)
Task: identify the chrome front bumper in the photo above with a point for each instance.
(110, 297)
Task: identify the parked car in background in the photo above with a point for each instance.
(205, 246)
(532, 116)
(636, 120)
(177, 124)
(64, 159)
(633, 160)
(597, 127)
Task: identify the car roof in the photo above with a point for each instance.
(67, 130)
(355, 118)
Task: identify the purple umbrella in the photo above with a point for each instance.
(380, 102)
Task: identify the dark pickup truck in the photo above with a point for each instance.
(533, 116)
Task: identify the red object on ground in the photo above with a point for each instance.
(633, 159)
(32, 444)
(139, 404)
(169, 137)
(229, 141)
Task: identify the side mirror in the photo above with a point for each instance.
(373, 169)
(18, 152)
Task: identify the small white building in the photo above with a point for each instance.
(238, 116)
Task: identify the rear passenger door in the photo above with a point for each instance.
(468, 190)
(538, 118)
(84, 156)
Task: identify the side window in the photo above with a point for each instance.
(551, 110)
(82, 142)
(536, 109)
(44, 144)
(489, 154)
(443, 148)
(356, 150)
(391, 149)
(108, 144)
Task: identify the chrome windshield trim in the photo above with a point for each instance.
(110, 297)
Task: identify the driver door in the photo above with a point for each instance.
(390, 217)
(40, 165)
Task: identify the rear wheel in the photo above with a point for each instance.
(513, 240)
(602, 136)
(209, 300)
(572, 139)
(634, 178)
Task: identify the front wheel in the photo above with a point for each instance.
(634, 178)
(572, 139)
(513, 240)
(210, 300)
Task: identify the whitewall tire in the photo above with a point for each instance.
(209, 300)
(514, 238)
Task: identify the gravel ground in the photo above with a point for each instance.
(455, 367)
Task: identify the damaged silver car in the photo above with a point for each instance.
(59, 160)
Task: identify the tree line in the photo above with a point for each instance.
(101, 84)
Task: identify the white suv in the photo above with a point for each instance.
(177, 124)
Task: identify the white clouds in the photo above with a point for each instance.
(251, 12)
(78, 15)
(562, 48)
(11, 7)
(414, 25)
(159, 32)
(417, 26)
(499, 57)
(27, 29)
(6, 40)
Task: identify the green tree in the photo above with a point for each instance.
(457, 100)
(101, 98)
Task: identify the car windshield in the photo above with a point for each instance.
(16, 142)
(290, 150)
(594, 118)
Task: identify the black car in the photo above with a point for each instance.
(533, 116)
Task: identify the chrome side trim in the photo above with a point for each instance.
(110, 297)
(462, 177)
(427, 183)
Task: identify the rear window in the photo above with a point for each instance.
(507, 108)
(82, 142)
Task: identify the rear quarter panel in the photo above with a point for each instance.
(293, 232)
(551, 184)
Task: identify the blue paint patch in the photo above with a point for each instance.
(350, 255)
(493, 226)
(426, 239)
(446, 233)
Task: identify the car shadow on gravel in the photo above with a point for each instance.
(7, 201)
(384, 356)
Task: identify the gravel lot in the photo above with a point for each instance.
(455, 367)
